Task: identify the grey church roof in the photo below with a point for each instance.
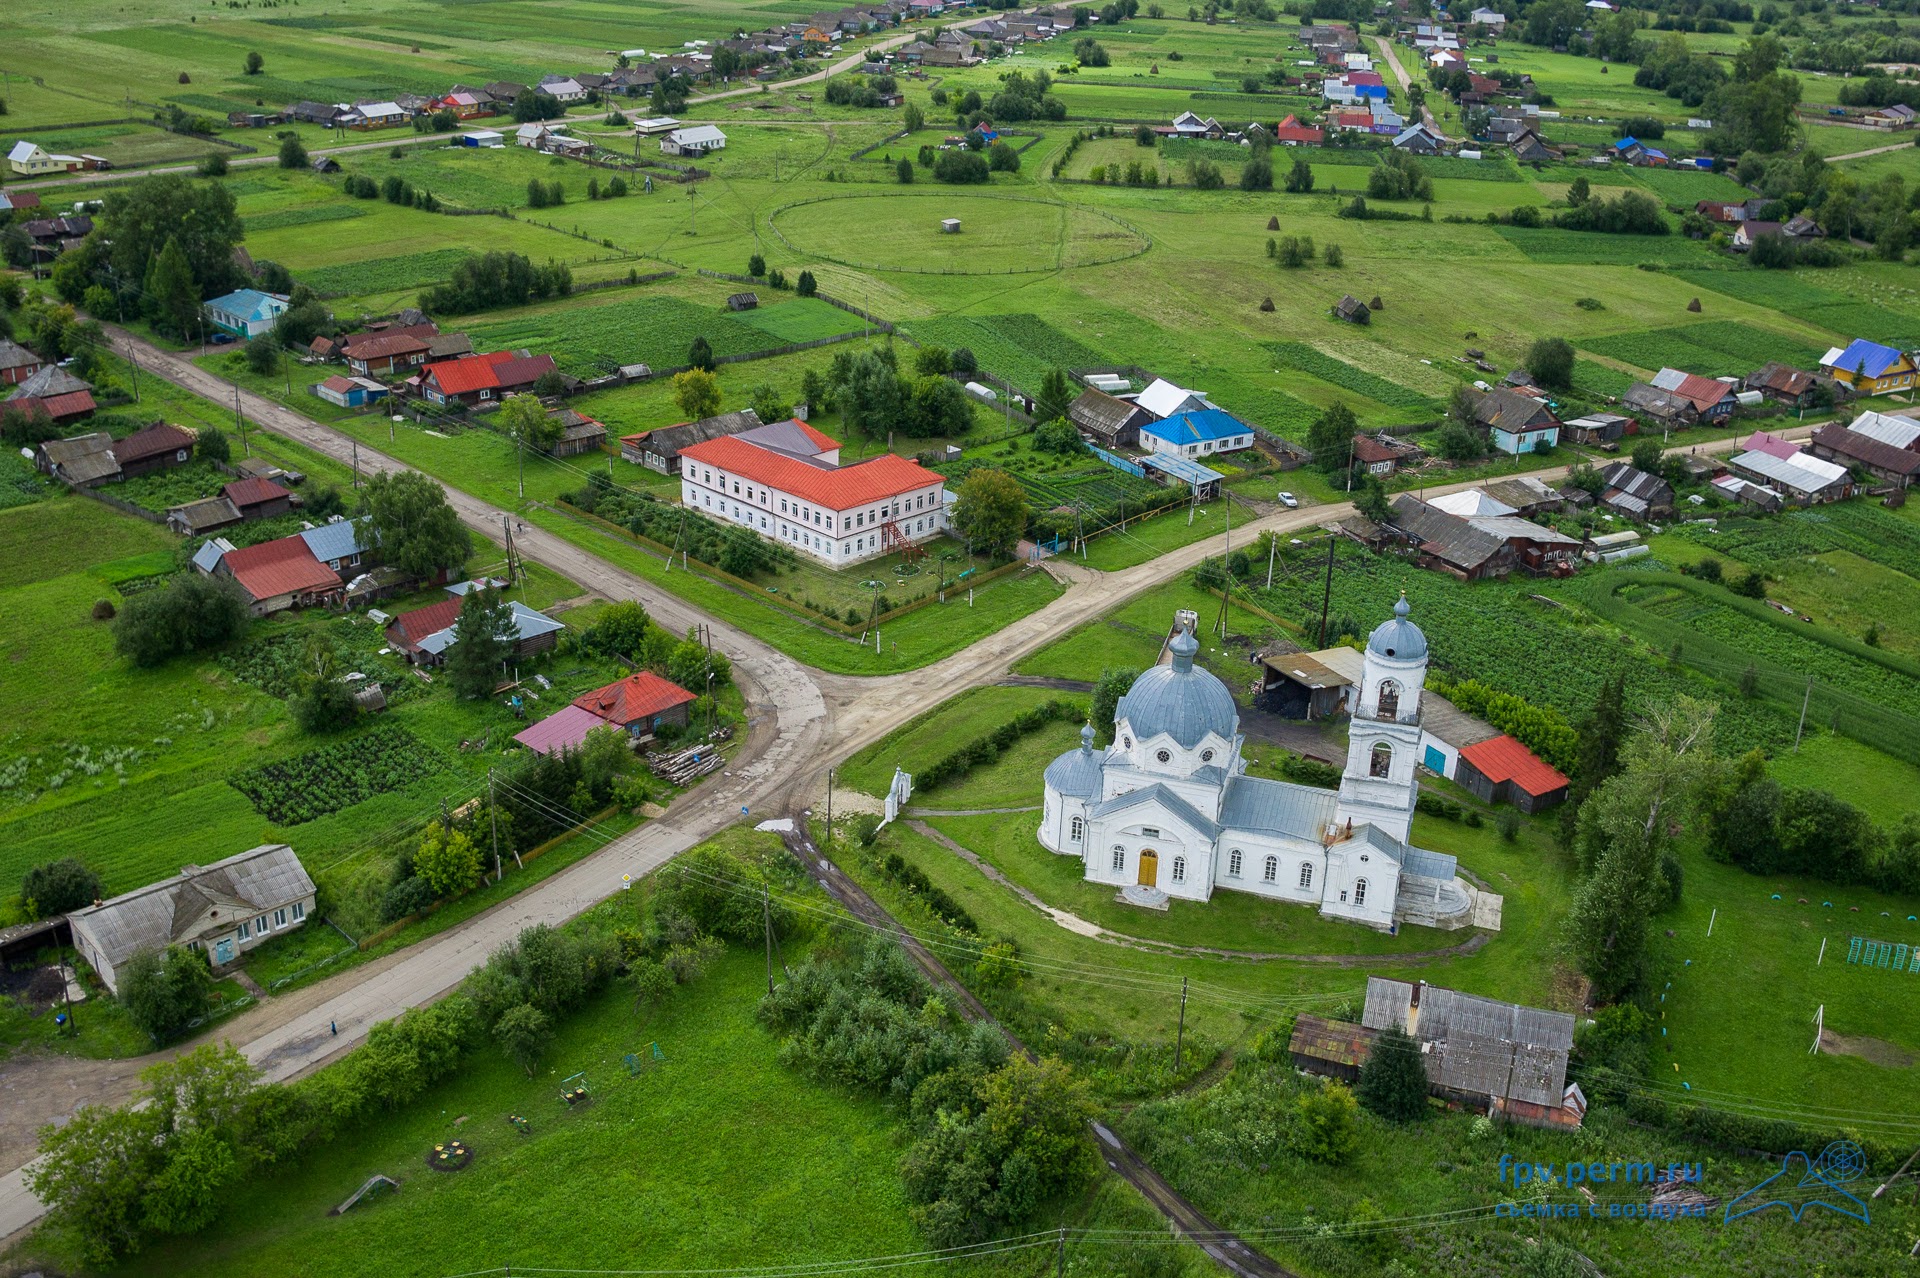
(1277, 807)
(1428, 865)
(1173, 803)
(1075, 773)
(1180, 700)
(1399, 638)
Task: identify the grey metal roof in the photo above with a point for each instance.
(527, 624)
(1176, 807)
(1277, 807)
(1479, 1045)
(1380, 841)
(160, 914)
(1075, 773)
(48, 382)
(1428, 865)
(1387, 1003)
(1180, 699)
(338, 539)
(211, 552)
(1399, 638)
(1097, 411)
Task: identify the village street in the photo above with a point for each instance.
(802, 722)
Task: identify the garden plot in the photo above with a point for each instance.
(649, 329)
(1714, 348)
(1020, 348)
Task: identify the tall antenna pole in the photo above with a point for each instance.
(493, 819)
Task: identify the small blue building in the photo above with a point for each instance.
(1196, 434)
(246, 312)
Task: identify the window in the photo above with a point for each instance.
(280, 917)
(1389, 699)
(245, 931)
(1126, 743)
(1206, 756)
(1233, 863)
(1359, 891)
(1078, 829)
(299, 911)
(1119, 857)
(1179, 869)
(260, 924)
(1149, 832)
(1163, 756)
(1306, 874)
(1380, 763)
(1271, 870)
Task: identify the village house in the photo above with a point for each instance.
(1598, 428)
(425, 634)
(1661, 407)
(1516, 423)
(387, 352)
(1501, 770)
(279, 574)
(1352, 310)
(246, 312)
(1783, 384)
(562, 88)
(55, 392)
(1291, 132)
(579, 433)
(17, 363)
(1630, 491)
(1901, 432)
(1713, 400)
(483, 379)
(1897, 115)
(198, 518)
(351, 392)
(1381, 454)
(30, 159)
(1487, 540)
(639, 705)
(784, 481)
(1800, 477)
(257, 498)
(364, 116)
(698, 140)
(221, 910)
(1886, 463)
(1107, 420)
(1868, 368)
(659, 449)
(1418, 139)
(160, 446)
(1196, 434)
(1308, 685)
(81, 461)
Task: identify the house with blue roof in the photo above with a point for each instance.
(340, 545)
(1868, 368)
(1197, 433)
(246, 312)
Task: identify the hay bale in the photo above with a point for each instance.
(103, 610)
(1694, 306)
(1273, 223)
(1267, 305)
(1376, 305)
(185, 78)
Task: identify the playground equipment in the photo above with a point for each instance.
(452, 1156)
(575, 1090)
(637, 1065)
(520, 1124)
(1867, 952)
(375, 1184)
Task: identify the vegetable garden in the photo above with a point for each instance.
(1715, 348)
(655, 330)
(1339, 373)
(336, 776)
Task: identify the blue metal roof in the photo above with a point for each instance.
(1429, 865)
(1185, 703)
(1192, 428)
(1626, 144)
(1176, 807)
(1870, 359)
(1399, 638)
(249, 303)
(339, 539)
(1182, 468)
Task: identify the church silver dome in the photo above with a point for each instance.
(1184, 701)
(1399, 639)
(1075, 774)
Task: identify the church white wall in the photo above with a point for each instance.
(1288, 857)
(1347, 866)
(1057, 815)
(1130, 840)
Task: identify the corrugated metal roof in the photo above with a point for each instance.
(262, 878)
(1802, 473)
(1502, 758)
(562, 730)
(1173, 804)
(834, 488)
(1277, 807)
(1428, 865)
(337, 539)
(1901, 432)
(1336, 1042)
(1077, 773)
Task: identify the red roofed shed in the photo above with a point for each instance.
(1500, 769)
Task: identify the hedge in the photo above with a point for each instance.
(987, 748)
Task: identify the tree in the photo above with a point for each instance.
(1058, 436)
(254, 63)
(263, 356)
(1648, 455)
(1393, 1082)
(1370, 498)
(292, 154)
(172, 297)
(806, 285)
(960, 168)
(1001, 158)
(57, 887)
(991, 511)
(939, 407)
(1579, 191)
(1300, 176)
(92, 1173)
(1257, 174)
(700, 354)
(164, 990)
(447, 858)
(1324, 1131)
(1107, 692)
(326, 706)
(521, 1032)
(1330, 438)
(418, 532)
(191, 613)
(903, 172)
(1055, 397)
(525, 420)
(212, 165)
(756, 266)
(697, 392)
(1550, 363)
(913, 119)
(141, 217)
(483, 642)
(1625, 832)
(768, 404)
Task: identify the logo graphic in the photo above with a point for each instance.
(1801, 1184)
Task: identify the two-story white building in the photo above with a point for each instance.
(1166, 811)
(784, 481)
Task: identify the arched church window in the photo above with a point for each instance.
(1233, 863)
(1163, 755)
(1079, 829)
(1126, 743)
(1389, 699)
(1306, 874)
(1359, 891)
(1380, 763)
(1271, 870)
(1119, 857)
(1179, 869)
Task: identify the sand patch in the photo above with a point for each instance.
(1875, 1050)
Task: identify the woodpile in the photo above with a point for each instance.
(683, 766)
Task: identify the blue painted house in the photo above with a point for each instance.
(1516, 423)
(1196, 433)
(246, 312)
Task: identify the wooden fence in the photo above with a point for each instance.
(120, 504)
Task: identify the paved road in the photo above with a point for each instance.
(803, 721)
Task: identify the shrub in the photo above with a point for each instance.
(191, 614)
(404, 899)
(165, 991)
(58, 887)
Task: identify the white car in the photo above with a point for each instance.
(1289, 500)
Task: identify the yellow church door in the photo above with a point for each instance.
(1149, 868)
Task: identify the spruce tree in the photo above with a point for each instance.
(1393, 1082)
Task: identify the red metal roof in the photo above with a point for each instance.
(1502, 758)
(1291, 130)
(1701, 391)
(638, 696)
(339, 383)
(1353, 119)
(281, 567)
(370, 346)
(522, 372)
(430, 620)
(71, 404)
(253, 491)
(464, 376)
(154, 440)
(842, 488)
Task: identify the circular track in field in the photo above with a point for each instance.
(999, 234)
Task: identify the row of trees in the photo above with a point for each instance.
(494, 279)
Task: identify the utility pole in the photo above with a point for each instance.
(356, 465)
(1181, 1038)
(1326, 597)
(520, 455)
(494, 821)
(829, 807)
(1273, 544)
(766, 916)
(693, 207)
(246, 450)
(134, 363)
(1804, 702)
(1060, 1255)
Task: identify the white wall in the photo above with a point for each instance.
(835, 537)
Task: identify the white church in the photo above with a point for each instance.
(1167, 812)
